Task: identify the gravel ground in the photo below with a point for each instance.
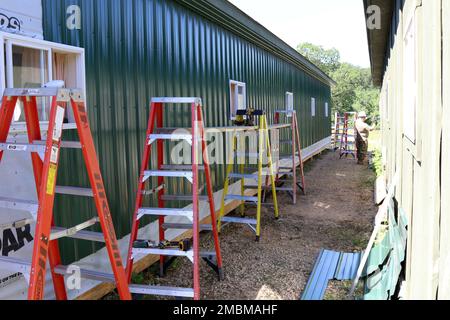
(336, 214)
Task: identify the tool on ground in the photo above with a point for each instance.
(45, 157)
(183, 245)
(170, 218)
(348, 135)
(288, 174)
(237, 151)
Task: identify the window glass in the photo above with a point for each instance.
(30, 70)
(313, 107)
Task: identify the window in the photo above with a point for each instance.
(410, 83)
(238, 98)
(31, 63)
(327, 110)
(313, 107)
(289, 103)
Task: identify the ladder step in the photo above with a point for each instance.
(239, 220)
(243, 176)
(87, 274)
(16, 204)
(169, 174)
(186, 226)
(241, 198)
(164, 252)
(22, 147)
(176, 100)
(278, 188)
(173, 137)
(168, 197)
(161, 291)
(64, 144)
(247, 154)
(74, 191)
(165, 212)
(286, 173)
(180, 167)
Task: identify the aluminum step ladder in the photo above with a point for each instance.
(45, 156)
(348, 137)
(195, 137)
(264, 149)
(289, 174)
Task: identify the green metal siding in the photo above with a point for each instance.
(138, 49)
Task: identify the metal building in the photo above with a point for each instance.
(133, 50)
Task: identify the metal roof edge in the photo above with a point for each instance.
(235, 20)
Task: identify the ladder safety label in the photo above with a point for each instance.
(51, 180)
(59, 120)
(54, 155)
(15, 147)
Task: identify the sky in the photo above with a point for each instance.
(329, 23)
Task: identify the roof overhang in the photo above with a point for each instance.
(378, 38)
(232, 18)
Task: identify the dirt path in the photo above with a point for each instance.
(336, 214)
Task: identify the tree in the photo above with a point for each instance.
(354, 90)
(326, 59)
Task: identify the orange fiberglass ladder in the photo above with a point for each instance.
(191, 215)
(296, 149)
(45, 155)
(348, 136)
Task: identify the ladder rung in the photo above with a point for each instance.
(247, 154)
(239, 220)
(165, 212)
(176, 100)
(169, 174)
(243, 176)
(241, 198)
(161, 291)
(16, 204)
(74, 191)
(168, 197)
(278, 188)
(87, 274)
(22, 147)
(64, 144)
(186, 226)
(180, 167)
(173, 137)
(164, 252)
(72, 232)
(15, 265)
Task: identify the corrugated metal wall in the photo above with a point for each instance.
(138, 49)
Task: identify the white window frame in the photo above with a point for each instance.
(237, 85)
(289, 101)
(327, 110)
(313, 107)
(6, 76)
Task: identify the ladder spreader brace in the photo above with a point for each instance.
(296, 153)
(190, 215)
(263, 147)
(45, 156)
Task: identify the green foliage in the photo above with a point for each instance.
(354, 90)
(327, 60)
(377, 164)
